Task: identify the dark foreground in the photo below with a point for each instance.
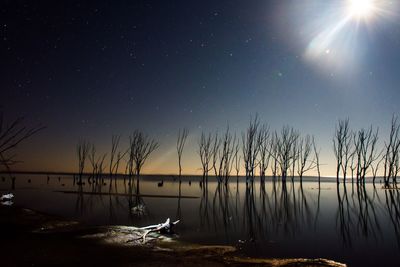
(36, 239)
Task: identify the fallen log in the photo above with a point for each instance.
(7, 197)
(162, 228)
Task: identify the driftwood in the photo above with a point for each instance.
(6, 199)
(130, 235)
(163, 228)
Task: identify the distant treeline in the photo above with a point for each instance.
(258, 150)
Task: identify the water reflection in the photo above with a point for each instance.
(260, 212)
(392, 200)
(272, 215)
(357, 214)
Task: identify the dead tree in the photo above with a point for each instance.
(366, 151)
(101, 167)
(82, 150)
(180, 144)
(285, 144)
(115, 157)
(205, 154)
(140, 148)
(225, 155)
(391, 152)
(130, 168)
(97, 164)
(305, 163)
(347, 149)
(11, 135)
(353, 165)
(375, 169)
(214, 152)
(93, 162)
(236, 159)
(295, 156)
(396, 169)
(264, 158)
(341, 137)
(274, 153)
(316, 156)
(250, 148)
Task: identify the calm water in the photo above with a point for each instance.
(358, 226)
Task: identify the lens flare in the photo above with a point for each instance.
(360, 8)
(338, 37)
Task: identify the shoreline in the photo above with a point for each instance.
(33, 238)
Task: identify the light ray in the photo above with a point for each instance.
(337, 43)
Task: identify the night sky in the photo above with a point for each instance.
(87, 70)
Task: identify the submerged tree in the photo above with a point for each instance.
(236, 159)
(180, 144)
(341, 138)
(115, 157)
(97, 164)
(82, 150)
(114, 146)
(226, 155)
(391, 152)
(214, 152)
(295, 156)
(250, 148)
(305, 163)
(316, 156)
(205, 154)
(140, 148)
(92, 160)
(11, 135)
(264, 158)
(285, 145)
(366, 151)
(274, 153)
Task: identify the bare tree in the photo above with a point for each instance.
(115, 157)
(236, 160)
(366, 151)
(97, 163)
(274, 153)
(214, 152)
(295, 156)
(316, 156)
(82, 152)
(342, 135)
(391, 152)
(101, 167)
(250, 148)
(347, 153)
(180, 144)
(93, 161)
(304, 153)
(205, 154)
(225, 155)
(140, 148)
(353, 165)
(264, 143)
(375, 169)
(11, 135)
(285, 144)
(396, 169)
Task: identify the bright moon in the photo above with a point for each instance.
(360, 8)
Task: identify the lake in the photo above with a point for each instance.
(355, 225)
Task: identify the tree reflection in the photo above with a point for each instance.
(357, 215)
(283, 208)
(392, 198)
